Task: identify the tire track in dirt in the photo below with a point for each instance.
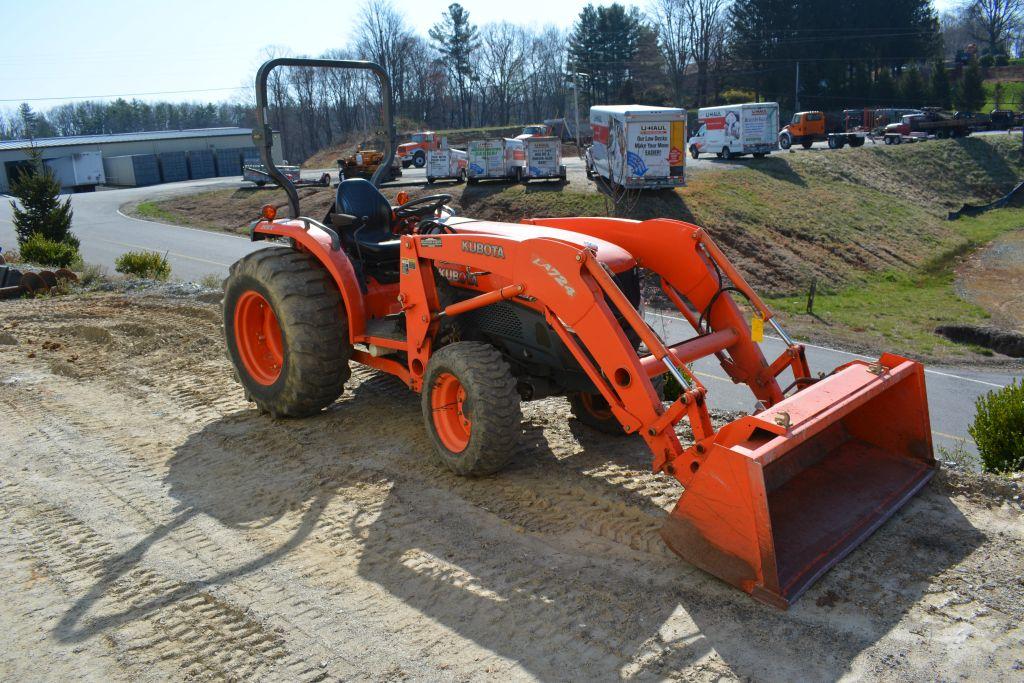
(343, 543)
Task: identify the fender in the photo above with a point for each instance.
(318, 243)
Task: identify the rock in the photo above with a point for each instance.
(8, 339)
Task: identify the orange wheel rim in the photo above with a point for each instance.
(447, 404)
(258, 338)
(596, 406)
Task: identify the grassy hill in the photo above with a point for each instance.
(869, 225)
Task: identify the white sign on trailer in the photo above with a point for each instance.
(543, 157)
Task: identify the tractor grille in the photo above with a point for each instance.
(500, 319)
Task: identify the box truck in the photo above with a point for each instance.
(495, 159)
(543, 159)
(79, 172)
(446, 164)
(736, 129)
(638, 147)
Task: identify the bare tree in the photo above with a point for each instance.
(995, 22)
(670, 18)
(503, 65)
(383, 36)
(707, 26)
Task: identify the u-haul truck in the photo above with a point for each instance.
(638, 147)
(736, 129)
(543, 159)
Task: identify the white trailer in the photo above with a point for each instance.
(495, 159)
(543, 159)
(79, 172)
(638, 147)
(446, 164)
(736, 129)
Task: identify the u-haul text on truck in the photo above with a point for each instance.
(638, 147)
(736, 129)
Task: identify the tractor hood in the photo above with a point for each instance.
(609, 253)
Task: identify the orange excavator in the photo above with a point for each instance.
(477, 316)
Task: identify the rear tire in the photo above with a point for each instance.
(694, 152)
(471, 408)
(286, 332)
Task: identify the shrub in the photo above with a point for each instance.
(92, 273)
(737, 96)
(41, 210)
(47, 252)
(147, 264)
(986, 61)
(998, 428)
(1002, 60)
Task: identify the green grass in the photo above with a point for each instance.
(899, 310)
(1012, 95)
(156, 212)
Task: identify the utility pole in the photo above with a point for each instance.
(576, 107)
(796, 92)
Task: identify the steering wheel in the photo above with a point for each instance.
(423, 206)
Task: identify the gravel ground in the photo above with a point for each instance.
(155, 527)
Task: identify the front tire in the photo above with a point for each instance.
(286, 332)
(471, 408)
(785, 141)
(419, 160)
(694, 152)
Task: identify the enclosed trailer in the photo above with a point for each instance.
(446, 164)
(638, 147)
(736, 129)
(132, 170)
(495, 159)
(79, 172)
(543, 159)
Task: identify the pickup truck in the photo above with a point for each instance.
(919, 126)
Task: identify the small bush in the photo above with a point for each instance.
(148, 264)
(998, 428)
(47, 252)
(212, 281)
(1002, 60)
(986, 61)
(92, 273)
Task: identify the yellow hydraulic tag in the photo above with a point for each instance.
(757, 328)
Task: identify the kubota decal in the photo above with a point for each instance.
(557, 276)
(484, 249)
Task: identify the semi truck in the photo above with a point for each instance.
(414, 152)
(808, 127)
(735, 130)
(638, 147)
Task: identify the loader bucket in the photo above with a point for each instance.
(774, 505)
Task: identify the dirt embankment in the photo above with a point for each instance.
(993, 278)
(153, 527)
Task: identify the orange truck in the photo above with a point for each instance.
(414, 152)
(536, 130)
(808, 127)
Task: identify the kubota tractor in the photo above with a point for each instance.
(478, 316)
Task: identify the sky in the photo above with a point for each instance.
(198, 50)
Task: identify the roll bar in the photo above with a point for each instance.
(263, 136)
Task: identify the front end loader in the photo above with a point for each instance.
(477, 316)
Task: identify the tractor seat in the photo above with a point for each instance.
(373, 239)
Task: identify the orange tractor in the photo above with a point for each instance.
(477, 316)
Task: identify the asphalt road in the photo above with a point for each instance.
(106, 234)
(951, 390)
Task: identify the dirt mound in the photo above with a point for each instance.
(154, 526)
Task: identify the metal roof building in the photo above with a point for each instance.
(14, 153)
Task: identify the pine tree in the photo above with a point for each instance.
(940, 91)
(884, 90)
(971, 93)
(456, 39)
(912, 89)
(41, 211)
